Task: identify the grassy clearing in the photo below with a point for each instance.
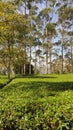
(42, 102)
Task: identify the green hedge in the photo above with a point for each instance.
(31, 104)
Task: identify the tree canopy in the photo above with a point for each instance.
(25, 24)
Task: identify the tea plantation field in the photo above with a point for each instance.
(42, 102)
(3, 80)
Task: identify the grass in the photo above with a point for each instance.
(41, 102)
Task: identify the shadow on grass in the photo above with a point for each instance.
(52, 86)
(35, 76)
(40, 88)
(2, 85)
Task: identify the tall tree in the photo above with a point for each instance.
(46, 15)
(11, 23)
(64, 15)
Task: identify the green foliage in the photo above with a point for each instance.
(25, 28)
(51, 29)
(42, 102)
(3, 79)
(44, 14)
(65, 13)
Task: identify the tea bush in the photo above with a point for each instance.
(42, 102)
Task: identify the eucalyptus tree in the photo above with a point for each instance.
(22, 8)
(51, 32)
(37, 54)
(65, 13)
(46, 15)
(10, 27)
(28, 8)
(62, 15)
(7, 32)
(32, 30)
(69, 26)
(69, 52)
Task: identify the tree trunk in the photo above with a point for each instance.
(24, 66)
(46, 4)
(30, 61)
(25, 7)
(62, 61)
(9, 71)
(72, 57)
(35, 62)
(46, 54)
(9, 68)
(9, 62)
(50, 62)
(35, 67)
(46, 62)
(62, 42)
(24, 69)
